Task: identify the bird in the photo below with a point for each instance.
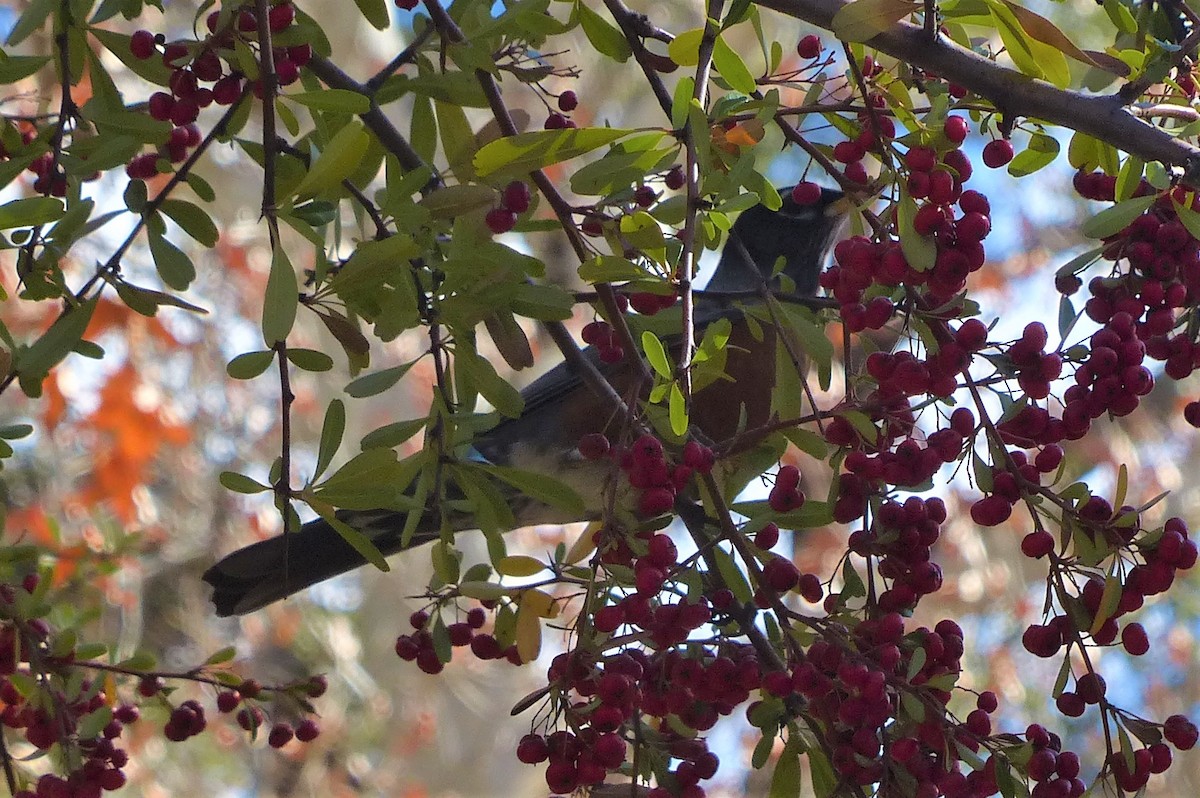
(559, 410)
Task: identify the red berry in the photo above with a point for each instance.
(307, 731)
(920, 159)
(141, 44)
(228, 700)
(1135, 640)
(427, 661)
(532, 749)
(955, 128)
(184, 112)
(806, 193)
(280, 16)
(159, 106)
(809, 46)
(675, 178)
(567, 101)
(781, 574)
(286, 72)
(991, 510)
(227, 90)
(1071, 704)
(767, 537)
(500, 220)
(997, 153)
(593, 446)
(1180, 732)
(516, 197)
(1037, 544)
(281, 734)
(655, 502)
(300, 54)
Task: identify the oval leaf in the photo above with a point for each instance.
(339, 159)
(249, 365)
(281, 299)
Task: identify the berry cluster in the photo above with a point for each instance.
(901, 537)
(1140, 303)
(558, 120)
(206, 73)
(647, 469)
(44, 698)
(514, 201)
(420, 646)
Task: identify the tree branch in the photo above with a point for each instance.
(1103, 117)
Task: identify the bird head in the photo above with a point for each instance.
(800, 234)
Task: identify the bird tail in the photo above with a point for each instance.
(273, 569)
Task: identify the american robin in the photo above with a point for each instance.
(559, 409)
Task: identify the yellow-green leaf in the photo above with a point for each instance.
(863, 20)
(340, 158)
(732, 67)
(528, 632)
(606, 38)
(684, 49)
(520, 565)
(525, 152)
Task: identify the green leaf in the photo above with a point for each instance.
(357, 540)
(678, 410)
(863, 20)
(332, 430)
(249, 365)
(193, 221)
(18, 67)
(36, 14)
(525, 152)
(611, 269)
(310, 359)
(605, 38)
(731, 575)
(1016, 42)
(378, 381)
(786, 782)
(393, 434)
(541, 487)
(1189, 218)
(542, 302)
(657, 355)
(732, 67)
(30, 212)
(201, 186)
(173, 265)
(56, 343)
(454, 201)
(684, 49)
(240, 483)
(224, 655)
(14, 432)
(281, 299)
(920, 251)
(336, 100)
(151, 70)
(1042, 150)
(1115, 219)
(482, 374)
(369, 480)
(375, 12)
(337, 161)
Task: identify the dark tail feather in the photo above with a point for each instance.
(270, 570)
